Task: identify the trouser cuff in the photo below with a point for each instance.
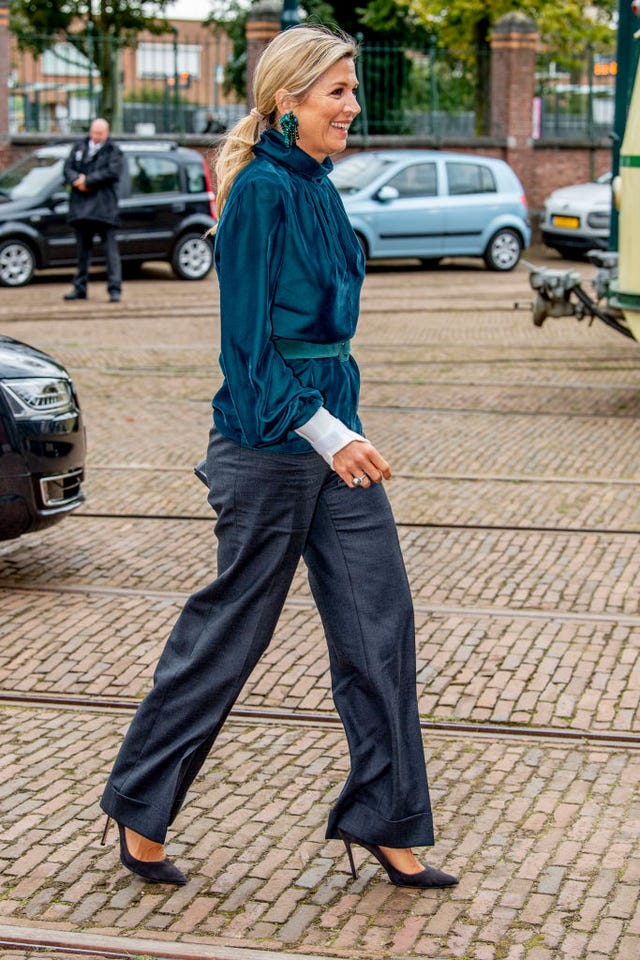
(366, 824)
(143, 818)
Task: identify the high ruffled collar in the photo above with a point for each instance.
(272, 145)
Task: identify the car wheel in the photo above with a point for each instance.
(17, 263)
(503, 250)
(192, 257)
(363, 244)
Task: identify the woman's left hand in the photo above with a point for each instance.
(359, 464)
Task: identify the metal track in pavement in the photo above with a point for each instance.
(74, 944)
(435, 609)
(610, 738)
(418, 525)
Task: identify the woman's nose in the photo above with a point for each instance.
(353, 107)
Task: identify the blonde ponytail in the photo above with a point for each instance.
(234, 154)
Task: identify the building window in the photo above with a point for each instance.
(158, 60)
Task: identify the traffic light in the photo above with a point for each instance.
(184, 80)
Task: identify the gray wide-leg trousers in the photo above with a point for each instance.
(272, 509)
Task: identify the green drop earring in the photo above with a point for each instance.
(289, 127)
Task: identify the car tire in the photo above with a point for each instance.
(192, 257)
(503, 250)
(363, 244)
(17, 263)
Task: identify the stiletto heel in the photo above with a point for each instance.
(105, 831)
(156, 871)
(347, 844)
(429, 877)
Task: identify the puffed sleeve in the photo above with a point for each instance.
(268, 399)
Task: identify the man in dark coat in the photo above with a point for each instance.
(93, 169)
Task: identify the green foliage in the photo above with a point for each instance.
(107, 26)
(157, 95)
(121, 19)
(463, 27)
(460, 25)
(231, 18)
(380, 20)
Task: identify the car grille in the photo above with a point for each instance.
(61, 488)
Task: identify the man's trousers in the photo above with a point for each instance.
(272, 509)
(86, 230)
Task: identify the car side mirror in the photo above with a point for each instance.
(387, 193)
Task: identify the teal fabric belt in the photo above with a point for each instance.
(305, 350)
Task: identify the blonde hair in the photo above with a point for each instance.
(292, 61)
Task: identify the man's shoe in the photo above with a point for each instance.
(75, 295)
(114, 298)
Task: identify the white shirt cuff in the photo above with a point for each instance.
(327, 434)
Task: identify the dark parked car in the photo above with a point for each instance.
(166, 208)
(42, 440)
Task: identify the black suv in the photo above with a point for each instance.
(42, 440)
(166, 208)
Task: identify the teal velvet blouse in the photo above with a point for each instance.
(289, 266)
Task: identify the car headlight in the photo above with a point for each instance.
(599, 220)
(39, 397)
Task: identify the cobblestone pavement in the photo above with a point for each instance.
(516, 494)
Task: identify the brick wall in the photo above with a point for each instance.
(552, 165)
(4, 81)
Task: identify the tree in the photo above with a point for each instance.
(464, 27)
(99, 29)
(380, 21)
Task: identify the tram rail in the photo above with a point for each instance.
(418, 524)
(499, 731)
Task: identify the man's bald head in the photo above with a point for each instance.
(99, 130)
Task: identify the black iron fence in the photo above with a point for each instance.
(171, 85)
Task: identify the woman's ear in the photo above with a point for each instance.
(284, 101)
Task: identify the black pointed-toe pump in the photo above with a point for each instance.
(156, 871)
(429, 877)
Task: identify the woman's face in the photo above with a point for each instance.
(324, 116)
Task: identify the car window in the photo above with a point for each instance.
(195, 178)
(467, 178)
(356, 172)
(30, 176)
(153, 175)
(418, 180)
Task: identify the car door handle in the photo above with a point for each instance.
(178, 207)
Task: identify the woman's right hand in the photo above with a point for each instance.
(360, 459)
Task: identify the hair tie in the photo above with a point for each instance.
(257, 116)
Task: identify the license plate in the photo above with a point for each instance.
(569, 223)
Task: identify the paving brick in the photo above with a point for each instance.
(533, 625)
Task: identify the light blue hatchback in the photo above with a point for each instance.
(431, 204)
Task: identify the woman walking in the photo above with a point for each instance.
(290, 475)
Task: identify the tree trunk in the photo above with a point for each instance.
(482, 62)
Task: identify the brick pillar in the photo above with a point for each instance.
(263, 24)
(4, 83)
(514, 43)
